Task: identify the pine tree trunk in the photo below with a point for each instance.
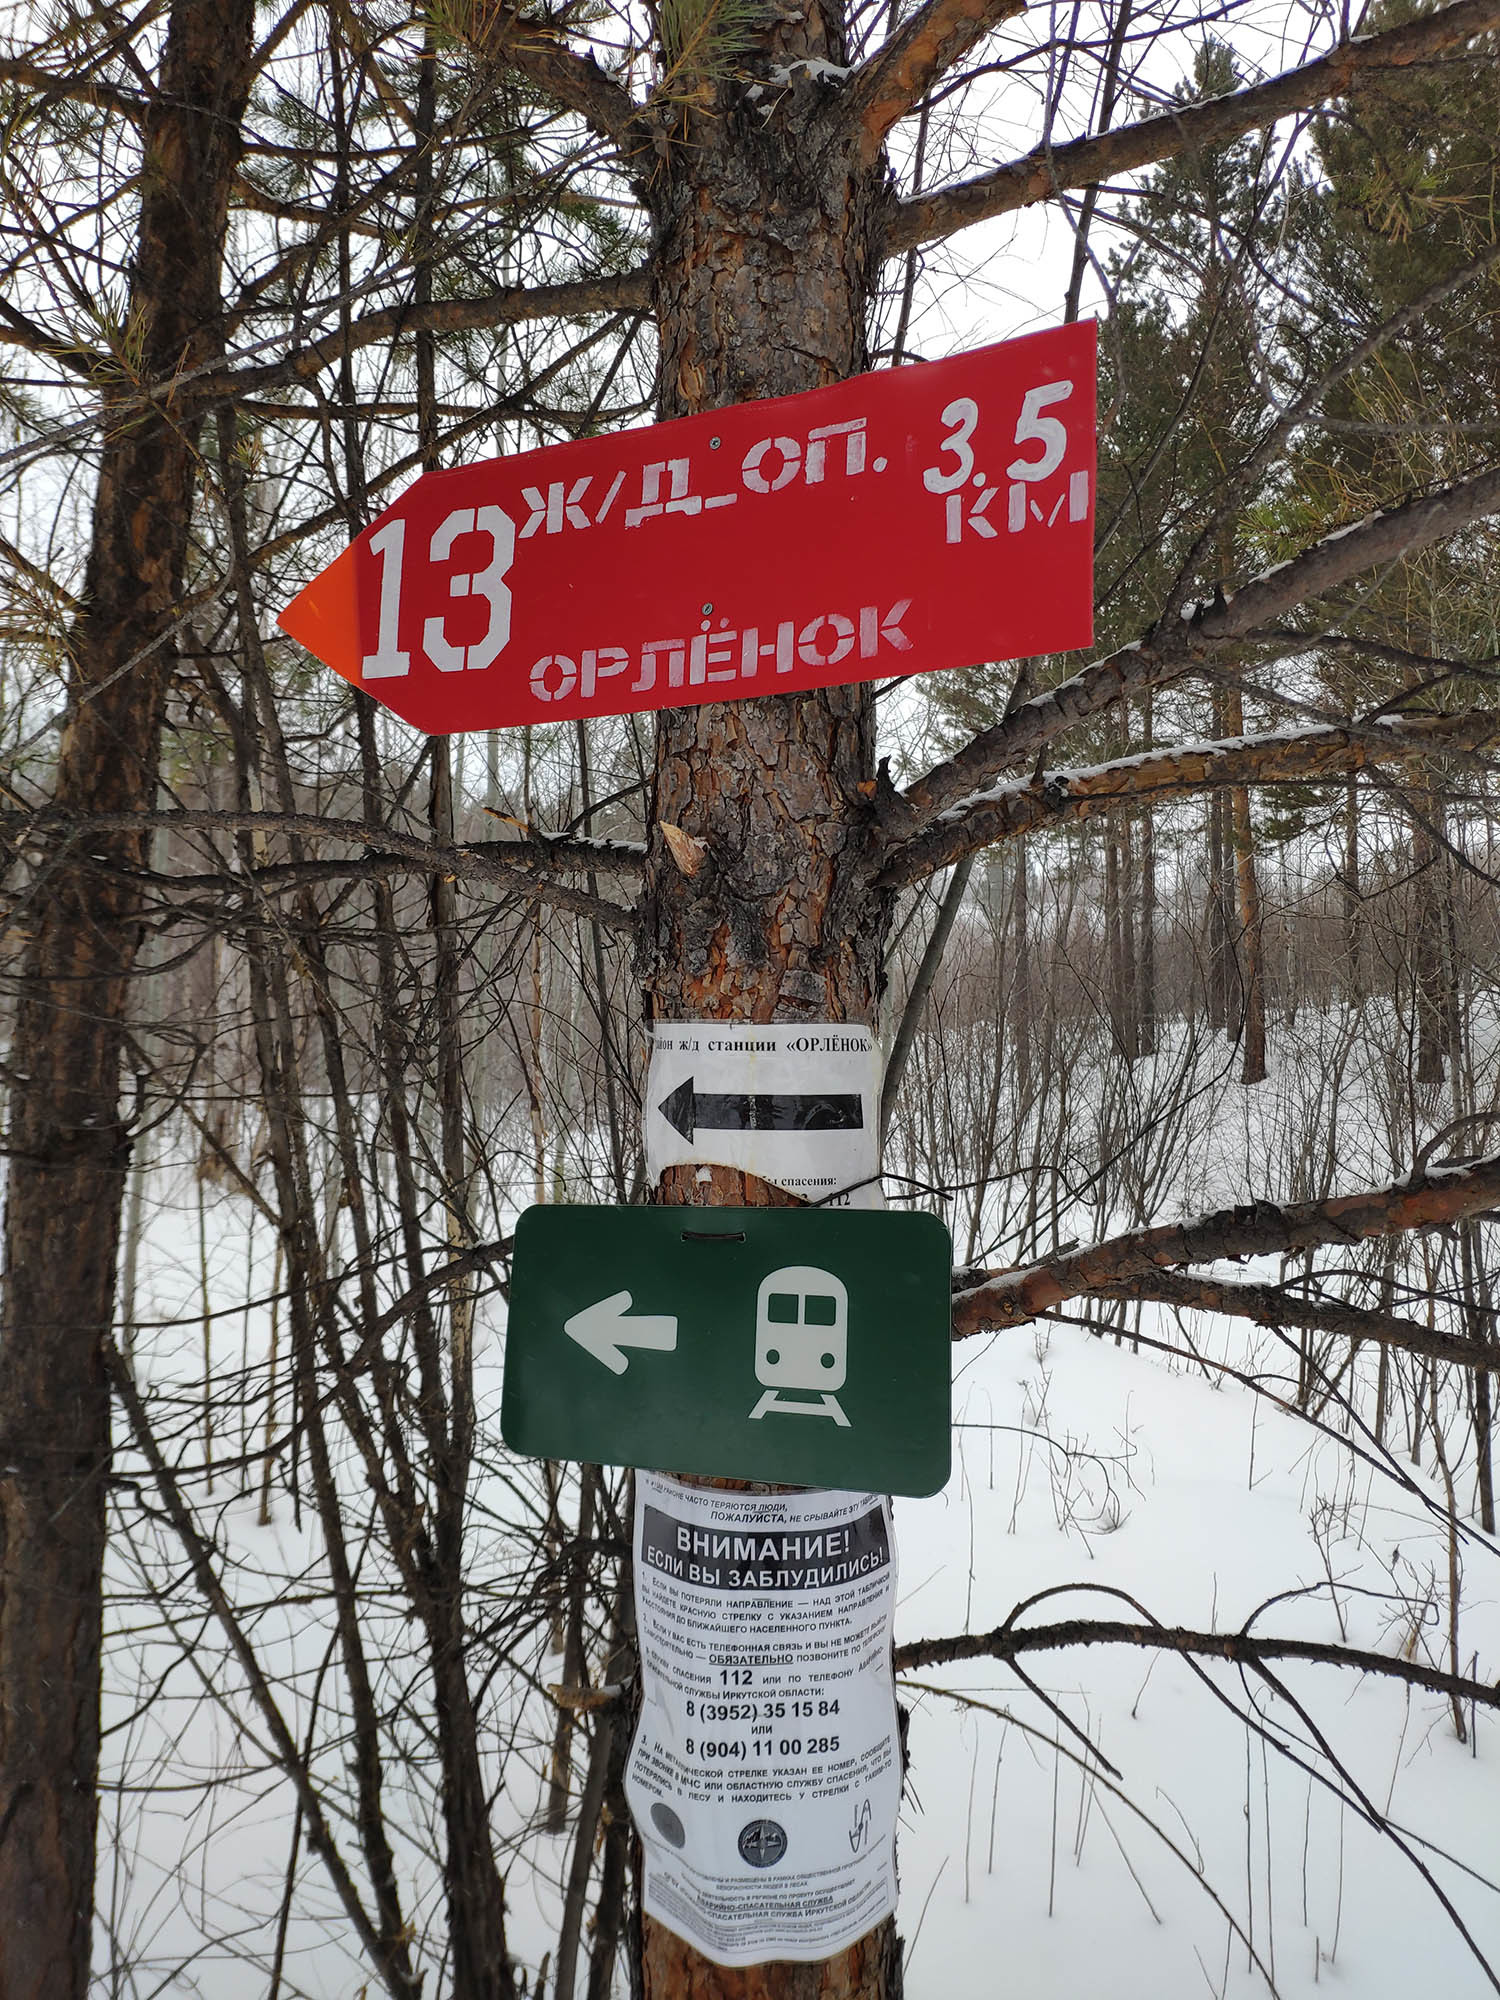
(1252, 955)
(1023, 998)
(1218, 942)
(1130, 894)
(1247, 884)
(1128, 992)
(764, 295)
(1119, 921)
(1427, 952)
(1147, 964)
(1116, 965)
(1023, 991)
(1353, 927)
(70, 1149)
(1484, 1432)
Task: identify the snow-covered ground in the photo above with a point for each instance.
(1201, 1504)
(1215, 1862)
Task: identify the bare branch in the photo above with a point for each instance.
(1278, 1307)
(921, 986)
(541, 851)
(292, 876)
(1429, 1199)
(1047, 171)
(625, 291)
(1296, 756)
(1006, 1642)
(282, 1744)
(1176, 645)
(265, 203)
(617, 292)
(524, 867)
(926, 45)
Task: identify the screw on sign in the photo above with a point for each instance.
(908, 520)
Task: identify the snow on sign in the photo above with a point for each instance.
(796, 1103)
(909, 519)
(765, 1775)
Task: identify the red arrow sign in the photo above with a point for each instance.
(917, 518)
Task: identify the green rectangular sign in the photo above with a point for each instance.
(806, 1346)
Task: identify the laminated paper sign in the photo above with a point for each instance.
(765, 1775)
(796, 1103)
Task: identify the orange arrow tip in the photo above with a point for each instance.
(323, 618)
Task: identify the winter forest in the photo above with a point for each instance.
(1183, 954)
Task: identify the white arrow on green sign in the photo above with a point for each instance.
(806, 1346)
(603, 1330)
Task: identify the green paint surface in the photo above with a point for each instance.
(806, 1315)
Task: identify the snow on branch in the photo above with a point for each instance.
(1296, 756)
(1428, 1200)
(1175, 645)
(901, 72)
(1049, 170)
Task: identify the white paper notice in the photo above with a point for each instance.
(797, 1104)
(765, 1775)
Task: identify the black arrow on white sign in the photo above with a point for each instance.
(688, 1110)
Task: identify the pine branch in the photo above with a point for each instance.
(17, 329)
(506, 35)
(41, 581)
(1047, 171)
(1431, 1198)
(71, 87)
(1176, 645)
(900, 73)
(1290, 757)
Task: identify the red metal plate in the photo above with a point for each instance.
(910, 519)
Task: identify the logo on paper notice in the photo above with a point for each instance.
(762, 1843)
(797, 1104)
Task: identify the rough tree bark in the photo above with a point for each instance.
(769, 234)
(1147, 988)
(1250, 946)
(1428, 971)
(69, 1143)
(1218, 934)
